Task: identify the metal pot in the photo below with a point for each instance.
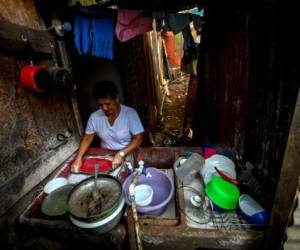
(61, 77)
(103, 225)
(110, 194)
(34, 77)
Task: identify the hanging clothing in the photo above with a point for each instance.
(94, 36)
(171, 21)
(189, 48)
(82, 35)
(130, 24)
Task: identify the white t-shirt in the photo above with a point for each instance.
(119, 135)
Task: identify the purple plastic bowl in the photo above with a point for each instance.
(163, 191)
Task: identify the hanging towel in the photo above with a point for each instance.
(94, 36)
(103, 36)
(130, 24)
(82, 35)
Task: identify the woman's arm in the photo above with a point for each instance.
(134, 144)
(84, 146)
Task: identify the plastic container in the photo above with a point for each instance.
(222, 193)
(163, 190)
(253, 212)
(188, 170)
(222, 162)
(143, 195)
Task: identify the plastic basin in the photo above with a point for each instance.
(222, 193)
(163, 190)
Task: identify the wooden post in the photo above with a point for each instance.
(287, 185)
(66, 63)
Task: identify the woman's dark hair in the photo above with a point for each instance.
(105, 89)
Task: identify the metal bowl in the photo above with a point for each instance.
(110, 194)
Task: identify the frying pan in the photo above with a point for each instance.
(33, 77)
(61, 77)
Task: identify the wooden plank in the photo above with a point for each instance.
(10, 37)
(287, 185)
(72, 94)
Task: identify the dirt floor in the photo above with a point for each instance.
(173, 112)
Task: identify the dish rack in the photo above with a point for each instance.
(204, 217)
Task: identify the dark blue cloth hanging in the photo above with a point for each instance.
(94, 36)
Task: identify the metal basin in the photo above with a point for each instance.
(109, 191)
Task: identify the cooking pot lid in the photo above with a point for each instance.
(56, 203)
(109, 191)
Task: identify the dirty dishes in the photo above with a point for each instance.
(56, 203)
(143, 195)
(55, 184)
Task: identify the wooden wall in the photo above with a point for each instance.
(29, 122)
(136, 61)
(248, 79)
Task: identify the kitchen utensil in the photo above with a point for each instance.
(56, 203)
(187, 171)
(94, 206)
(55, 184)
(222, 193)
(110, 193)
(226, 177)
(103, 225)
(33, 77)
(61, 77)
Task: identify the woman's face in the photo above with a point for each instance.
(110, 107)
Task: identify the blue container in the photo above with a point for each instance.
(253, 212)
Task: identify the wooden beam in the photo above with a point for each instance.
(287, 185)
(10, 37)
(72, 94)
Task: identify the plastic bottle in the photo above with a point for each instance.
(187, 171)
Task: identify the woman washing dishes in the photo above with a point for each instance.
(118, 126)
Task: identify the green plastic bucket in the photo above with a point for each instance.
(222, 193)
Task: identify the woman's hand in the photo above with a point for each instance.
(117, 160)
(76, 165)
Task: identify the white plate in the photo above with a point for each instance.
(55, 184)
(76, 178)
